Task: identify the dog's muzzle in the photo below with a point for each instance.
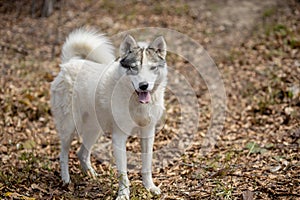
(143, 94)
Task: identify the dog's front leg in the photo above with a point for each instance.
(119, 139)
(147, 140)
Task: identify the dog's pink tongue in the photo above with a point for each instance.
(144, 97)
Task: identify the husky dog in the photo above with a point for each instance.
(94, 92)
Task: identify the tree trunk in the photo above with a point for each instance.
(47, 8)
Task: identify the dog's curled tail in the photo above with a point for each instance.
(88, 44)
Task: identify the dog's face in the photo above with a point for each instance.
(145, 65)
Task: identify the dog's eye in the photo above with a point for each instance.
(128, 66)
(133, 68)
(154, 68)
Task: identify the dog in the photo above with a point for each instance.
(96, 92)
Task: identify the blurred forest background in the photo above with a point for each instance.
(256, 46)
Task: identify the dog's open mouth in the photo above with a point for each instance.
(144, 97)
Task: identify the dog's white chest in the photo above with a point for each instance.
(141, 115)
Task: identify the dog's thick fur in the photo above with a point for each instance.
(94, 93)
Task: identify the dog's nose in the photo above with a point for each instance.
(143, 85)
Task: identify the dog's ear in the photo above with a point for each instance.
(127, 44)
(160, 46)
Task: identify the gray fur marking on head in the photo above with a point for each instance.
(132, 54)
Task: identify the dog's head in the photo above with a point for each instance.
(144, 64)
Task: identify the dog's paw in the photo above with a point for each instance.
(91, 173)
(65, 179)
(123, 193)
(68, 186)
(65, 183)
(154, 190)
(123, 197)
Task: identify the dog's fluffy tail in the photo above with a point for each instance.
(88, 44)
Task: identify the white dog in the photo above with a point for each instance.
(95, 92)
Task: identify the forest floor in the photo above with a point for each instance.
(256, 47)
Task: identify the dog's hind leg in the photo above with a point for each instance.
(84, 155)
(66, 136)
(90, 134)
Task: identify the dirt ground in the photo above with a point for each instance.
(256, 47)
